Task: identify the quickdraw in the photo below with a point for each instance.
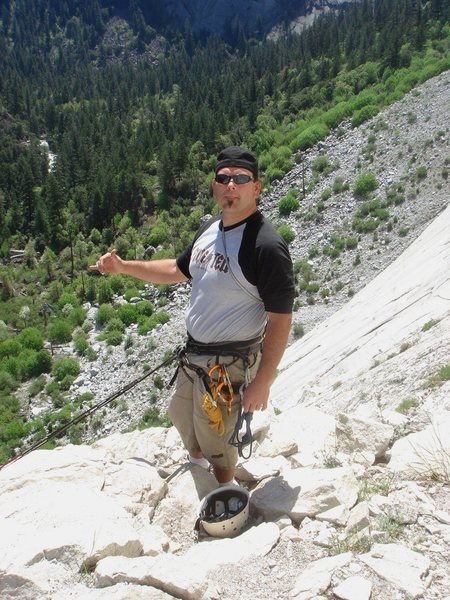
(220, 385)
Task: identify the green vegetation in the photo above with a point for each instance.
(369, 216)
(153, 417)
(369, 487)
(438, 378)
(429, 324)
(286, 232)
(135, 132)
(338, 244)
(298, 330)
(406, 405)
(366, 183)
(289, 203)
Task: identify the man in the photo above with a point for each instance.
(239, 317)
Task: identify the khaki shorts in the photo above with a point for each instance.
(189, 417)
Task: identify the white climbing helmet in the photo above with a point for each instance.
(224, 511)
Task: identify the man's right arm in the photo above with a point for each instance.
(155, 271)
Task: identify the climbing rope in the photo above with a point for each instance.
(87, 413)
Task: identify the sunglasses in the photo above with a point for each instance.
(238, 179)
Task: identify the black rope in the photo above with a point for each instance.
(87, 413)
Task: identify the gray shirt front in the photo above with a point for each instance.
(238, 274)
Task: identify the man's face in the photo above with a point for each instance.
(237, 201)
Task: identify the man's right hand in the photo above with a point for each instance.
(108, 263)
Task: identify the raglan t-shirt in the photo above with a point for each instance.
(222, 263)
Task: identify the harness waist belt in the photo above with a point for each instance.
(224, 348)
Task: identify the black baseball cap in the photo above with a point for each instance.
(234, 156)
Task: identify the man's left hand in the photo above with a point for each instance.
(256, 397)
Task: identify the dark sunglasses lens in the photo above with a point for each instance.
(241, 178)
(238, 179)
(222, 178)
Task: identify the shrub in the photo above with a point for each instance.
(65, 366)
(438, 378)
(67, 298)
(145, 307)
(298, 330)
(364, 225)
(104, 314)
(366, 113)
(326, 194)
(406, 405)
(309, 137)
(289, 203)
(104, 293)
(8, 383)
(81, 345)
(429, 324)
(91, 354)
(321, 164)
(421, 173)
(351, 242)
(30, 337)
(395, 195)
(337, 114)
(128, 313)
(117, 283)
(113, 338)
(287, 233)
(339, 185)
(37, 386)
(132, 292)
(9, 407)
(158, 382)
(153, 418)
(33, 364)
(375, 208)
(14, 431)
(115, 324)
(10, 347)
(77, 316)
(11, 365)
(274, 174)
(60, 332)
(366, 183)
(151, 322)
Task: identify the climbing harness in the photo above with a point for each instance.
(87, 413)
(219, 390)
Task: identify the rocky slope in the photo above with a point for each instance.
(349, 478)
(260, 16)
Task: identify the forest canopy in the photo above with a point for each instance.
(133, 119)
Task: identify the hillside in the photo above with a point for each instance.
(343, 275)
(349, 479)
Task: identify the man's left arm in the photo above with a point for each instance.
(256, 396)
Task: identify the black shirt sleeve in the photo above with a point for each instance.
(270, 267)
